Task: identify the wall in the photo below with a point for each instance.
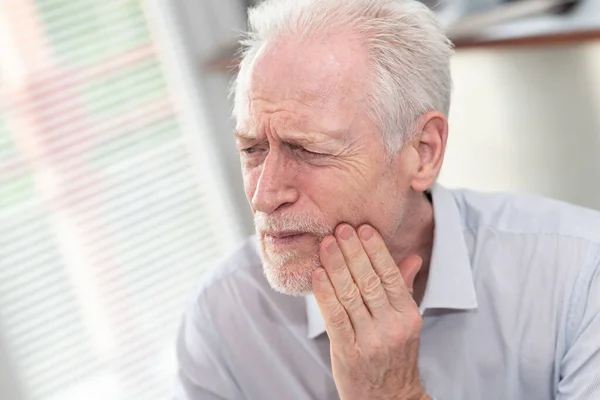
(10, 384)
(527, 120)
(203, 26)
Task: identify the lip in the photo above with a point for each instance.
(283, 234)
(284, 238)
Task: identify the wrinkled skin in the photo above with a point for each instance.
(314, 166)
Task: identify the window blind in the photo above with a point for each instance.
(106, 220)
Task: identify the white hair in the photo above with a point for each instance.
(407, 49)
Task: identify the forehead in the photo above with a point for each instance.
(323, 78)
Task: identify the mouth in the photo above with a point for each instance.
(283, 234)
(283, 238)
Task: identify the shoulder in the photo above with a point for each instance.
(206, 338)
(235, 289)
(242, 260)
(242, 268)
(234, 296)
(527, 214)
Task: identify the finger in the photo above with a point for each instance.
(359, 265)
(409, 268)
(345, 289)
(338, 325)
(384, 265)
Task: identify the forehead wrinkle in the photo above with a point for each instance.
(322, 84)
(303, 129)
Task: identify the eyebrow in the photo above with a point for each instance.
(245, 137)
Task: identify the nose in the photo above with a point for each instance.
(275, 187)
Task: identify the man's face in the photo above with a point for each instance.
(311, 158)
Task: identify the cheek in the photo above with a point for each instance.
(346, 189)
(338, 197)
(341, 198)
(250, 177)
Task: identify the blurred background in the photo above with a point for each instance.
(120, 182)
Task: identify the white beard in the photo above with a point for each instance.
(290, 272)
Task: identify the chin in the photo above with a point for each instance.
(290, 274)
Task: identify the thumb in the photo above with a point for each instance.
(409, 268)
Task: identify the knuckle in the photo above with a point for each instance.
(370, 284)
(346, 298)
(350, 297)
(354, 304)
(338, 317)
(391, 276)
(415, 321)
(399, 336)
(412, 323)
(405, 330)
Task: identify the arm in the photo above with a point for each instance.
(202, 373)
(580, 367)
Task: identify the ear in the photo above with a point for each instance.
(430, 144)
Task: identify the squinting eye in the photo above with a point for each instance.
(313, 154)
(309, 153)
(301, 149)
(252, 150)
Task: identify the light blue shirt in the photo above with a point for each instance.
(511, 312)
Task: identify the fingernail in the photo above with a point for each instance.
(365, 232)
(345, 232)
(331, 246)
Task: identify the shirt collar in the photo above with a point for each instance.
(450, 282)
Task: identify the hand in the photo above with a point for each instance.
(371, 318)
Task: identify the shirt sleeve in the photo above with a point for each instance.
(580, 367)
(202, 371)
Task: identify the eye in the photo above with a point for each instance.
(252, 150)
(313, 154)
(298, 148)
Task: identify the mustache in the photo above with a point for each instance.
(292, 222)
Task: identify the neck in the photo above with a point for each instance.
(415, 236)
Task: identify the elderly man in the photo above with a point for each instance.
(366, 280)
